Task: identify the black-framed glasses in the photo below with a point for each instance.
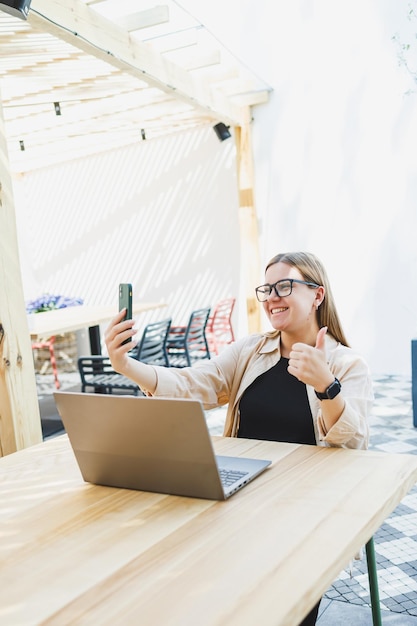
(282, 288)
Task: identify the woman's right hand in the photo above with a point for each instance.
(115, 334)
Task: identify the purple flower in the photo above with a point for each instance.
(48, 302)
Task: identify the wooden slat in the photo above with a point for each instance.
(87, 30)
(144, 19)
(248, 219)
(20, 424)
(68, 52)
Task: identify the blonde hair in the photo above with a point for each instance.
(312, 270)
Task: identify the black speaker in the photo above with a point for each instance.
(222, 131)
(17, 8)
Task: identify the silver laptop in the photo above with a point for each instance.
(151, 444)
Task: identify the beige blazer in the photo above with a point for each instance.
(223, 379)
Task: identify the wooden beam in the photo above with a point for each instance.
(248, 220)
(144, 19)
(78, 24)
(260, 97)
(20, 424)
(193, 57)
(174, 41)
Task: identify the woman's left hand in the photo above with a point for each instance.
(309, 364)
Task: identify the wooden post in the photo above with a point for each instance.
(20, 424)
(249, 234)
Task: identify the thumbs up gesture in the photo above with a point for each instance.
(320, 340)
(309, 364)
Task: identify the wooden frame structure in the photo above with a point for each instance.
(65, 50)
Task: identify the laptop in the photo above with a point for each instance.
(150, 444)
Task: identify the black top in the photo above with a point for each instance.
(275, 407)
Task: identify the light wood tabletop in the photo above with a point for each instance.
(69, 319)
(74, 553)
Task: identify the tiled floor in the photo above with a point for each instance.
(347, 600)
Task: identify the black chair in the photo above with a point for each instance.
(188, 344)
(96, 371)
(152, 347)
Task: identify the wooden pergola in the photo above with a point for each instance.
(117, 76)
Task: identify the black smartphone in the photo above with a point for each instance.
(125, 302)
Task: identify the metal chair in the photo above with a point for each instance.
(188, 344)
(152, 347)
(49, 344)
(97, 372)
(219, 330)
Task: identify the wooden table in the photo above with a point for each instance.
(74, 553)
(69, 319)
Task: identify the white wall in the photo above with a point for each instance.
(162, 215)
(336, 152)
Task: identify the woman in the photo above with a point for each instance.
(299, 383)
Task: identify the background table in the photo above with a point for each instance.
(69, 319)
(76, 553)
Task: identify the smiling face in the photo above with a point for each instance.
(294, 315)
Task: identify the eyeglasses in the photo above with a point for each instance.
(282, 288)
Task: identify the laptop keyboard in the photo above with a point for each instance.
(228, 476)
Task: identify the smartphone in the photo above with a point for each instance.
(125, 302)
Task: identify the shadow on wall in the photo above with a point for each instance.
(162, 215)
